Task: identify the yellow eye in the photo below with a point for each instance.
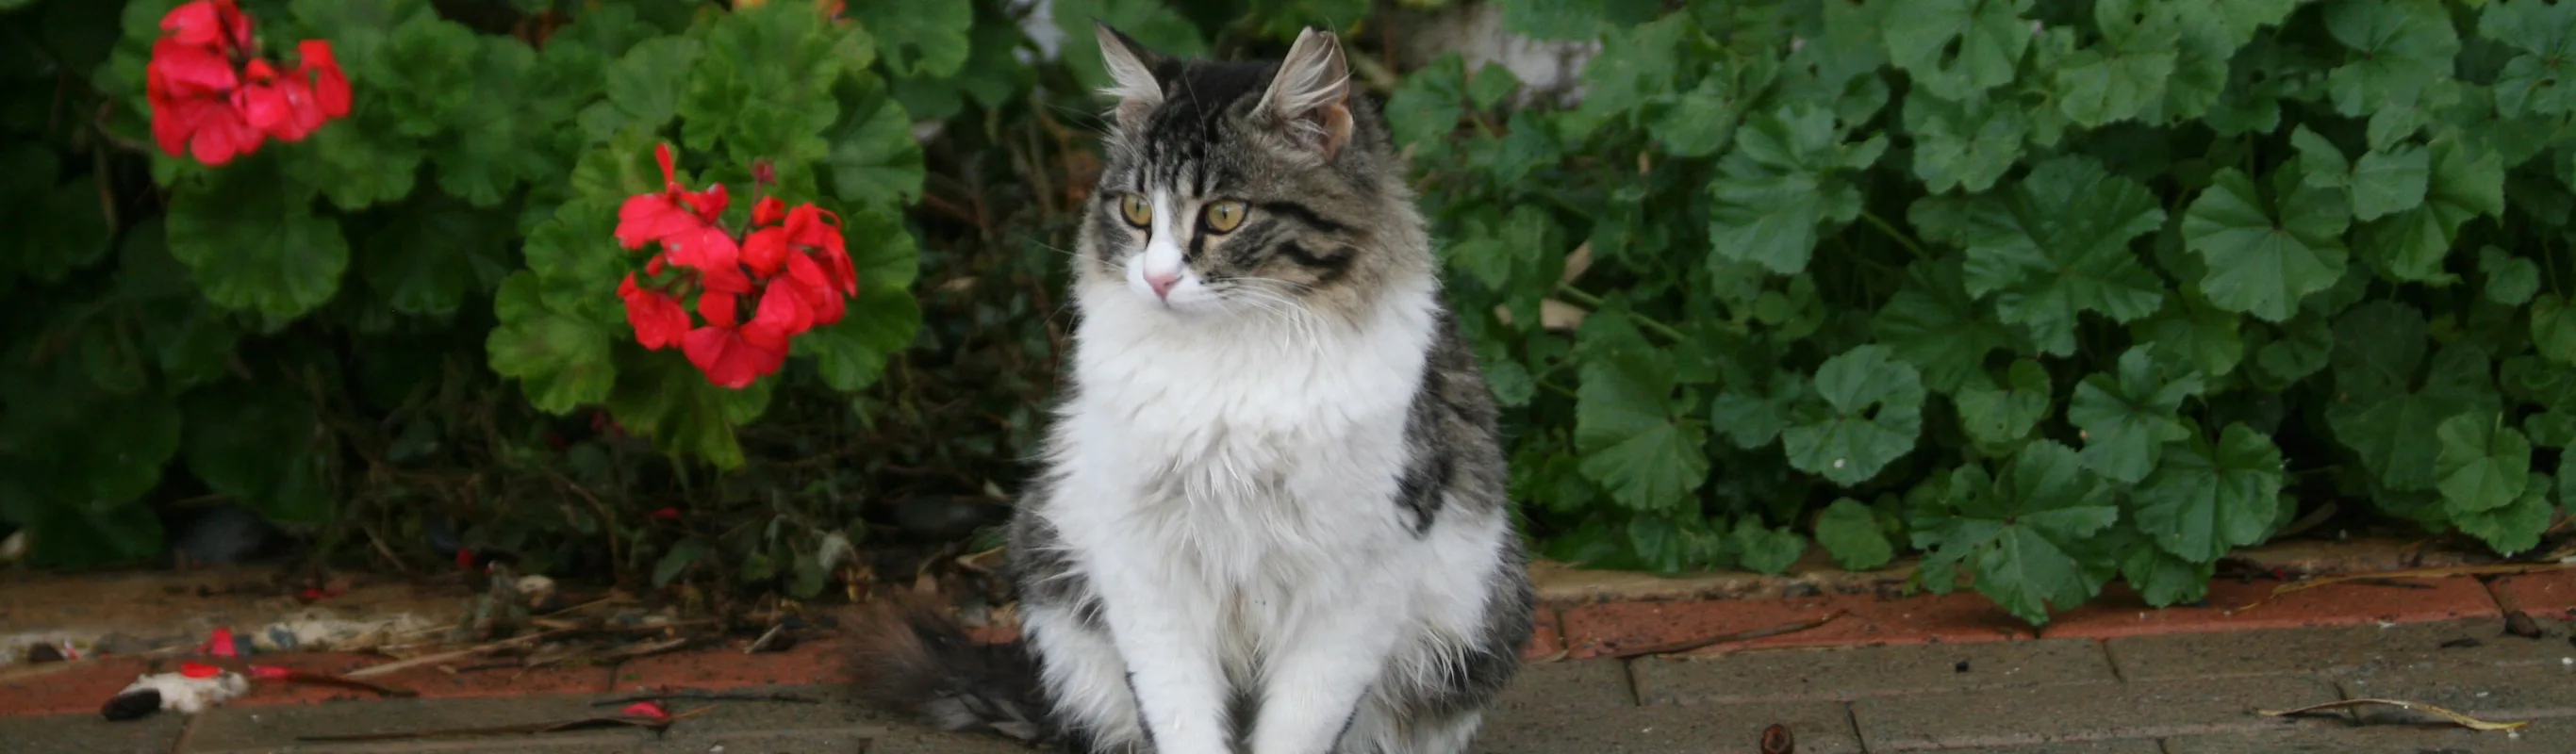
(1225, 216)
(1138, 213)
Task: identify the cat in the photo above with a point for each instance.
(1273, 514)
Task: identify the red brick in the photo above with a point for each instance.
(1546, 638)
(2550, 594)
(818, 661)
(431, 681)
(80, 687)
(2240, 606)
(1959, 617)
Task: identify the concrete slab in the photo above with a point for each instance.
(91, 734)
(2495, 694)
(2094, 712)
(245, 730)
(2476, 642)
(1818, 727)
(2542, 737)
(1855, 672)
(1584, 684)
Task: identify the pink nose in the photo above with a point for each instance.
(1162, 283)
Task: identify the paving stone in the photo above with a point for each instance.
(2329, 650)
(2240, 606)
(2134, 746)
(2094, 712)
(1584, 684)
(1854, 672)
(90, 734)
(1512, 728)
(2499, 694)
(242, 730)
(2541, 737)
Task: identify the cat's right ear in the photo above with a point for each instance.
(1131, 72)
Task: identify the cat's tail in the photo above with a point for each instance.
(911, 658)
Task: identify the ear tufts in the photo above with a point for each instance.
(1131, 73)
(1311, 94)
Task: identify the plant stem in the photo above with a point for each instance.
(1899, 236)
(1591, 301)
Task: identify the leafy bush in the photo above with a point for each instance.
(2055, 292)
(2049, 293)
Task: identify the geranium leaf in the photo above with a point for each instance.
(1935, 325)
(2383, 410)
(2510, 280)
(2535, 81)
(262, 447)
(2119, 77)
(2396, 48)
(1998, 419)
(2129, 416)
(433, 255)
(2483, 464)
(924, 38)
(2027, 535)
(1869, 412)
(2553, 328)
(1762, 549)
(1782, 181)
(1963, 145)
(561, 361)
(2411, 246)
(254, 243)
(874, 159)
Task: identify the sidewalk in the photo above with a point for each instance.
(1886, 675)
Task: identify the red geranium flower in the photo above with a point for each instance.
(792, 267)
(213, 99)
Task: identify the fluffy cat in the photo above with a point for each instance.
(1273, 514)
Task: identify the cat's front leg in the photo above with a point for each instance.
(1315, 678)
(1167, 634)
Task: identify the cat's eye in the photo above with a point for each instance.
(1225, 216)
(1138, 213)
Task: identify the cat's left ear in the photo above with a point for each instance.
(1311, 96)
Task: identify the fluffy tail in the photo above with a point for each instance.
(910, 658)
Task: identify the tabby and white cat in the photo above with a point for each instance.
(1273, 517)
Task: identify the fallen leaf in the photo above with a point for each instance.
(2464, 721)
(2519, 623)
(199, 670)
(645, 709)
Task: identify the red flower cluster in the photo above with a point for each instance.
(790, 275)
(214, 98)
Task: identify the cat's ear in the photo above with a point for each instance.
(1131, 73)
(1311, 96)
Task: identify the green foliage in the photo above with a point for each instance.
(2076, 291)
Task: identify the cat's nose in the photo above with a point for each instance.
(1162, 282)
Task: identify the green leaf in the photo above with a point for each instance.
(2553, 328)
(1632, 443)
(2483, 465)
(561, 361)
(1957, 49)
(1963, 145)
(1493, 82)
(1553, 19)
(2191, 327)
(74, 536)
(434, 254)
(2027, 534)
(2535, 81)
(2379, 410)
(1703, 121)
(1933, 324)
(677, 559)
(2057, 243)
(512, 131)
(2389, 180)
(923, 38)
(2266, 252)
(424, 71)
(254, 243)
(1783, 180)
(2128, 417)
(2160, 578)
(2122, 75)
(73, 446)
(2397, 49)
(2204, 501)
(1851, 533)
(360, 162)
(2510, 280)
(644, 87)
(264, 446)
(1871, 411)
(1999, 419)
(1751, 419)
(874, 159)
(1427, 105)
(2411, 246)
(1762, 549)
(2514, 528)
(2301, 350)
(660, 396)
(765, 80)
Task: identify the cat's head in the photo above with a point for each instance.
(1247, 189)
